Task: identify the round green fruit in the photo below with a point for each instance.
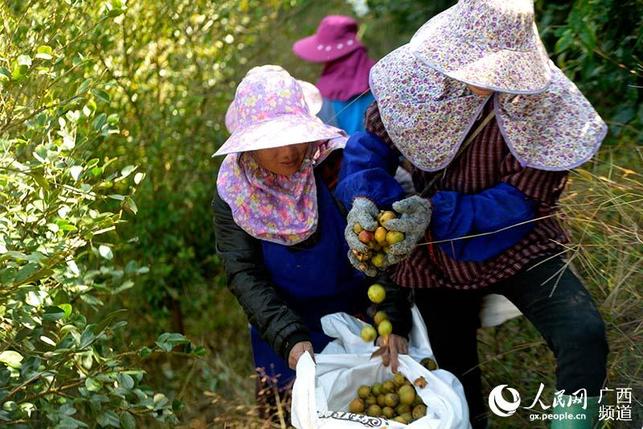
(363, 391)
(376, 293)
(385, 328)
(379, 317)
(391, 400)
(368, 334)
(407, 395)
(374, 411)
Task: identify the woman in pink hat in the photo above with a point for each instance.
(279, 229)
(492, 128)
(344, 80)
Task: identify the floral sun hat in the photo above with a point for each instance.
(270, 110)
(313, 97)
(492, 44)
(428, 115)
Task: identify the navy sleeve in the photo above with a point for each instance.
(368, 170)
(456, 215)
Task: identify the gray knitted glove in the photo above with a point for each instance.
(364, 212)
(367, 269)
(415, 216)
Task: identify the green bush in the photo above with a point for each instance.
(64, 190)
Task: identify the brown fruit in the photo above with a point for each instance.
(420, 382)
(393, 237)
(364, 391)
(385, 216)
(379, 316)
(388, 412)
(429, 364)
(356, 406)
(419, 411)
(361, 256)
(374, 411)
(407, 395)
(357, 228)
(391, 400)
(365, 236)
(380, 235)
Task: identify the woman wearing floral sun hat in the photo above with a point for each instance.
(279, 230)
(492, 128)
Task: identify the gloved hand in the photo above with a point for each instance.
(365, 267)
(364, 213)
(415, 217)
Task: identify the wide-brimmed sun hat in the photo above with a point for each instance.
(313, 97)
(428, 115)
(335, 37)
(492, 44)
(270, 110)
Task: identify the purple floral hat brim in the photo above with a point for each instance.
(439, 45)
(283, 130)
(556, 130)
(428, 115)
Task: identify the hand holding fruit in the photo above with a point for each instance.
(361, 219)
(371, 238)
(415, 216)
(299, 349)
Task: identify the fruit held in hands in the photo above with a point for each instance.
(376, 293)
(368, 334)
(385, 328)
(380, 235)
(365, 236)
(386, 215)
(393, 237)
(378, 260)
(357, 228)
